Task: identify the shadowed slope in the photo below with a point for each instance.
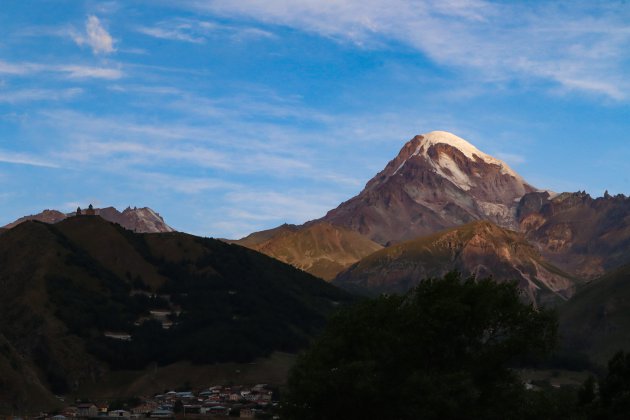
(596, 321)
(66, 286)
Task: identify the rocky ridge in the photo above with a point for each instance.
(583, 235)
(141, 220)
(479, 248)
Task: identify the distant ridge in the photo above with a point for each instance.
(141, 220)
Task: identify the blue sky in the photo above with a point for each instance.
(230, 116)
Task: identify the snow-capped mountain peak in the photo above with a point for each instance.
(422, 145)
(437, 180)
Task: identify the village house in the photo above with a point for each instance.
(145, 409)
(87, 410)
(102, 409)
(70, 412)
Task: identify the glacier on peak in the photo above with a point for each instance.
(427, 140)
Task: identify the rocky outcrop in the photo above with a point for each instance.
(578, 233)
(141, 220)
(481, 249)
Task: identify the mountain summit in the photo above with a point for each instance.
(437, 181)
(443, 162)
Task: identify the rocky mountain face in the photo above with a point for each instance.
(583, 235)
(141, 220)
(437, 181)
(479, 248)
(71, 290)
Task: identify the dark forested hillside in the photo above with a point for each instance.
(85, 295)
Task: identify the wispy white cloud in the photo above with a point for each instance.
(73, 71)
(580, 47)
(32, 95)
(87, 72)
(17, 68)
(180, 184)
(125, 143)
(95, 36)
(138, 153)
(199, 32)
(173, 34)
(25, 159)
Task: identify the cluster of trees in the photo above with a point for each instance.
(608, 397)
(445, 350)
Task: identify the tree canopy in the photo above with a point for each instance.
(443, 350)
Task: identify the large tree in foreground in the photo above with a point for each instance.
(440, 351)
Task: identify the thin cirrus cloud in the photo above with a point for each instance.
(185, 185)
(130, 143)
(70, 71)
(199, 31)
(25, 159)
(32, 95)
(579, 46)
(138, 153)
(95, 36)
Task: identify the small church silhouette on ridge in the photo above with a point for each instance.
(88, 212)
